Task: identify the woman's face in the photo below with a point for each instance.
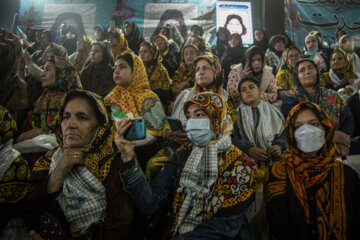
(161, 44)
(279, 46)
(189, 56)
(194, 111)
(307, 117)
(96, 54)
(114, 40)
(98, 34)
(122, 74)
(249, 93)
(47, 54)
(44, 40)
(222, 35)
(337, 61)
(79, 123)
(259, 35)
(307, 74)
(48, 76)
(145, 54)
(311, 43)
(347, 44)
(293, 57)
(128, 28)
(204, 73)
(257, 63)
(80, 44)
(234, 41)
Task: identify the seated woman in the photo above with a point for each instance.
(133, 98)
(77, 184)
(284, 77)
(118, 43)
(274, 55)
(133, 36)
(200, 43)
(341, 76)
(169, 58)
(259, 130)
(209, 182)
(312, 51)
(58, 77)
(310, 194)
(82, 54)
(307, 81)
(184, 77)
(209, 78)
(157, 74)
(97, 75)
(347, 45)
(222, 42)
(253, 64)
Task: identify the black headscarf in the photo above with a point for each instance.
(135, 38)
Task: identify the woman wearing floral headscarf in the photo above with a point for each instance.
(118, 43)
(214, 181)
(58, 77)
(79, 58)
(341, 74)
(310, 194)
(184, 77)
(157, 74)
(77, 184)
(133, 98)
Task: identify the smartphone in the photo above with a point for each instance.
(137, 130)
(175, 124)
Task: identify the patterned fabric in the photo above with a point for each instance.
(86, 181)
(327, 99)
(284, 76)
(339, 78)
(122, 45)
(80, 57)
(184, 73)
(215, 178)
(46, 107)
(267, 84)
(273, 60)
(304, 171)
(157, 74)
(139, 100)
(14, 170)
(216, 86)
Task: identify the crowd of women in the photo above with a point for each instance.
(239, 143)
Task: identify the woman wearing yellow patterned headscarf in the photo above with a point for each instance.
(310, 194)
(83, 171)
(184, 77)
(118, 43)
(215, 181)
(158, 76)
(78, 58)
(341, 72)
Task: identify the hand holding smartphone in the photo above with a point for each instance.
(175, 124)
(137, 130)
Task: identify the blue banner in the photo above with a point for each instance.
(325, 16)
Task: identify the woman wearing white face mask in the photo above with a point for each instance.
(310, 194)
(209, 182)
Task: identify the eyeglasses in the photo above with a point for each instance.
(295, 56)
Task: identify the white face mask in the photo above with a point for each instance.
(309, 138)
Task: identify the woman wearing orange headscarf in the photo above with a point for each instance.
(79, 57)
(133, 98)
(118, 43)
(310, 194)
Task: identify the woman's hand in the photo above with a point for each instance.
(258, 154)
(179, 137)
(27, 57)
(69, 158)
(179, 87)
(274, 151)
(246, 71)
(30, 134)
(125, 147)
(341, 138)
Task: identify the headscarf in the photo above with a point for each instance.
(185, 74)
(204, 179)
(164, 53)
(284, 76)
(104, 32)
(157, 74)
(135, 38)
(138, 98)
(327, 99)
(58, 50)
(80, 57)
(272, 42)
(14, 170)
(122, 45)
(347, 72)
(263, 44)
(305, 171)
(99, 155)
(217, 83)
(46, 107)
(249, 54)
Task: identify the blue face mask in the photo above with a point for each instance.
(198, 131)
(312, 51)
